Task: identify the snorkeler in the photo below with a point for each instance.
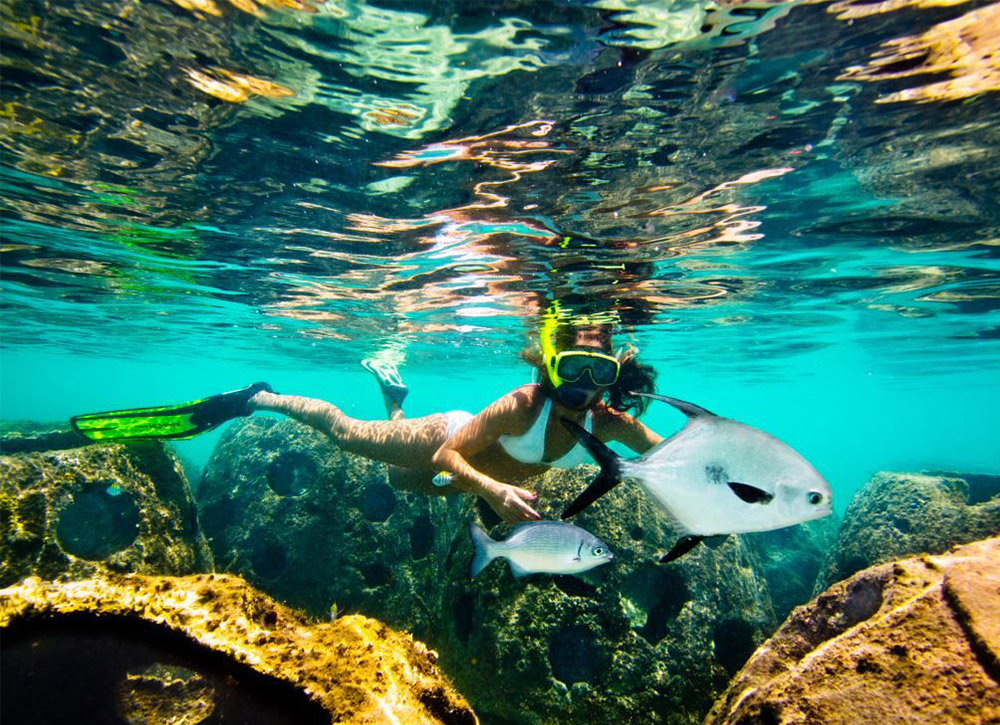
(514, 437)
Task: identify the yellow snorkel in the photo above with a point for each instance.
(546, 335)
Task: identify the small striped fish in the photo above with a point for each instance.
(537, 547)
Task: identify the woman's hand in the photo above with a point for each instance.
(509, 503)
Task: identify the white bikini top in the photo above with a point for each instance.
(530, 446)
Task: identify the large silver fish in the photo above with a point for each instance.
(715, 476)
(552, 547)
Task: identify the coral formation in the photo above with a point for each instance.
(899, 514)
(913, 641)
(78, 512)
(208, 637)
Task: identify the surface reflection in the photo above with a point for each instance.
(368, 172)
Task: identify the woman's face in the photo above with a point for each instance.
(584, 393)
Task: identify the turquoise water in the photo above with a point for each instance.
(797, 228)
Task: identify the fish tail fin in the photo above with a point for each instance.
(481, 543)
(609, 477)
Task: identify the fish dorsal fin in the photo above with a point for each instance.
(689, 409)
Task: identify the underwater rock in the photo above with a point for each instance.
(633, 641)
(792, 558)
(24, 436)
(79, 512)
(185, 648)
(319, 528)
(900, 514)
(916, 641)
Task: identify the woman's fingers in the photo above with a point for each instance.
(524, 493)
(518, 508)
(512, 507)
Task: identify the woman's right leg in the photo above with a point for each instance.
(407, 442)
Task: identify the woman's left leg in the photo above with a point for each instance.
(406, 442)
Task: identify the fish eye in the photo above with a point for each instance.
(814, 497)
(598, 551)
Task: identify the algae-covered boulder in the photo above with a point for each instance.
(792, 558)
(142, 649)
(26, 436)
(77, 512)
(317, 527)
(912, 642)
(899, 514)
(632, 641)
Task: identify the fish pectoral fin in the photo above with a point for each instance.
(750, 494)
(683, 546)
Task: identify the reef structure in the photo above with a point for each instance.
(77, 512)
(792, 559)
(914, 642)
(632, 641)
(177, 649)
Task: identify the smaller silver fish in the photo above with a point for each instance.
(551, 547)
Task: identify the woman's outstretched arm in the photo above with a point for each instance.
(504, 416)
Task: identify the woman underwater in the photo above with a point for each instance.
(514, 437)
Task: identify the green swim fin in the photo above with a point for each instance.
(173, 422)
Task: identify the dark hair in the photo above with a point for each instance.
(634, 377)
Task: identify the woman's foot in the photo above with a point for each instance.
(394, 390)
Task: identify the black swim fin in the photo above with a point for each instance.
(609, 477)
(167, 422)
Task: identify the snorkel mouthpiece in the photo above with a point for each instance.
(573, 396)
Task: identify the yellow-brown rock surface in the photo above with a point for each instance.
(913, 641)
(86, 511)
(357, 669)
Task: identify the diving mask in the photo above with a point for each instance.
(571, 366)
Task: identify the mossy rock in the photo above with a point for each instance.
(913, 641)
(78, 512)
(792, 559)
(631, 641)
(319, 528)
(900, 514)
